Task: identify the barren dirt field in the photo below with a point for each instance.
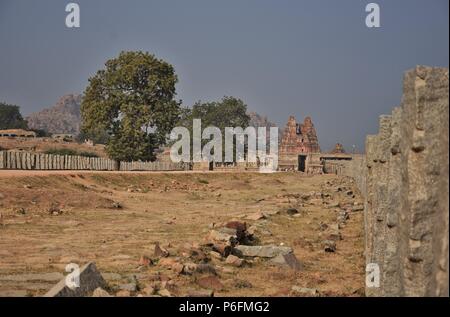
(114, 219)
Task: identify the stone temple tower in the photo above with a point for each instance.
(299, 138)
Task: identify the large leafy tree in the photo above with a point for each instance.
(10, 117)
(228, 112)
(132, 99)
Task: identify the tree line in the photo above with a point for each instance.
(130, 105)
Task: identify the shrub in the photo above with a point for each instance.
(87, 154)
(70, 152)
(61, 152)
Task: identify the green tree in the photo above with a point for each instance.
(228, 112)
(132, 99)
(10, 117)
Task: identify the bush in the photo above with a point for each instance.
(61, 152)
(87, 154)
(70, 152)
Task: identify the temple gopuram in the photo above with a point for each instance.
(297, 145)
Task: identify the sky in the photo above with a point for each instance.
(281, 57)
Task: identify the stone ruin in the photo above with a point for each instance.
(299, 141)
(299, 138)
(404, 177)
(338, 149)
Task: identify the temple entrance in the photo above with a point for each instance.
(302, 163)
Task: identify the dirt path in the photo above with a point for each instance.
(174, 209)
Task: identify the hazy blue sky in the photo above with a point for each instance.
(281, 57)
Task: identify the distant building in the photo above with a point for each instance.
(298, 143)
(17, 133)
(338, 148)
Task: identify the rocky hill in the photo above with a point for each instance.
(64, 117)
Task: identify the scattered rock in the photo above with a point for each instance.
(160, 252)
(358, 208)
(343, 216)
(117, 205)
(90, 279)
(323, 226)
(223, 249)
(291, 211)
(100, 292)
(123, 293)
(167, 262)
(206, 268)
(234, 260)
(148, 291)
(189, 268)
(289, 260)
(256, 216)
(228, 236)
(329, 246)
(164, 293)
(303, 291)
(177, 268)
(215, 255)
(20, 211)
(131, 287)
(242, 284)
(265, 251)
(54, 210)
(145, 261)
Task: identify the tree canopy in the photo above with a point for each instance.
(132, 99)
(10, 117)
(228, 112)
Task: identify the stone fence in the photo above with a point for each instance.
(404, 179)
(39, 161)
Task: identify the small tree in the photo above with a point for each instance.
(133, 101)
(10, 117)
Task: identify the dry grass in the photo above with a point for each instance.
(172, 208)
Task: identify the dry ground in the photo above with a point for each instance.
(43, 144)
(173, 209)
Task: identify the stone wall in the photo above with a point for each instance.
(404, 179)
(41, 161)
(38, 161)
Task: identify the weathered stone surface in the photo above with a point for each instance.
(265, 251)
(100, 292)
(404, 180)
(299, 138)
(288, 260)
(234, 260)
(329, 245)
(90, 279)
